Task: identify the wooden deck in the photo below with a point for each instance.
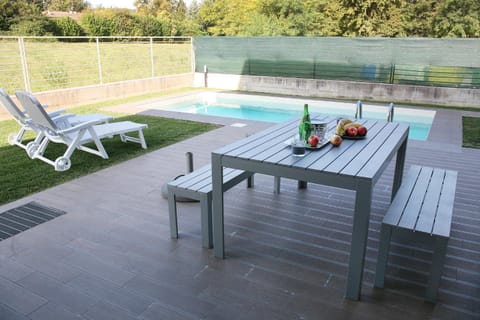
(111, 256)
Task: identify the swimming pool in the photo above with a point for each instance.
(279, 109)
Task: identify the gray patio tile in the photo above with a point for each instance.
(171, 296)
(115, 295)
(58, 293)
(7, 313)
(99, 267)
(51, 311)
(19, 298)
(161, 311)
(54, 268)
(106, 311)
(13, 270)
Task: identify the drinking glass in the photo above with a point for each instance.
(298, 146)
(319, 129)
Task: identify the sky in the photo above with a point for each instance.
(118, 3)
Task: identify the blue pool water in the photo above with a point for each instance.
(271, 109)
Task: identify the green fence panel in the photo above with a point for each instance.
(418, 61)
(280, 68)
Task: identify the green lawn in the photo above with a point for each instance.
(471, 132)
(21, 176)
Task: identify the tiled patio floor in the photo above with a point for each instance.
(110, 256)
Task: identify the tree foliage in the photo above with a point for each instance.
(65, 5)
(350, 18)
(66, 26)
(457, 18)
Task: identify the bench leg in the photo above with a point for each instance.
(172, 213)
(383, 249)
(206, 216)
(276, 185)
(302, 184)
(250, 181)
(439, 251)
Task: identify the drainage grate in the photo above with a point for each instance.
(25, 217)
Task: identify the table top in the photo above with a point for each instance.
(360, 158)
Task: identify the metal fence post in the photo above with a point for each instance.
(23, 58)
(100, 73)
(205, 76)
(192, 55)
(392, 73)
(151, 57)
(391, 107)
(358, 110)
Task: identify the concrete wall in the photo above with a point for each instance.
(344, 89)
(67, 98)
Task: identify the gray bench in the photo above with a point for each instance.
(422, 208)
(197, 185)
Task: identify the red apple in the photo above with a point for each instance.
(362, 131)
(336, 140)
(352, 132)
(313, 141)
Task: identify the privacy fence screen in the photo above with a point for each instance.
(416, 61)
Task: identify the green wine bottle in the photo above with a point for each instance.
(305, 126)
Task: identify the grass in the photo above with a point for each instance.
(471, 132)
(21, 176)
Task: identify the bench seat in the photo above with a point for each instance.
(197, 185)
(422, 207)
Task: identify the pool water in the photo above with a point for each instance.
(273, 109)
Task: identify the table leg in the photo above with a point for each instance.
(399, 166)
(217, 206)
(361, 219)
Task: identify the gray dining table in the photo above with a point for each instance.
(355, 165)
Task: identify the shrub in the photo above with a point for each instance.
(95, 24)
(67, 27)
(36, 26)
(147, 26)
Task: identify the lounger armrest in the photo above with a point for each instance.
(56, 112)
(81, 126)
(62, 116)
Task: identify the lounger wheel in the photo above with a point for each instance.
(12, 138)
(32, 148)
(62, 164)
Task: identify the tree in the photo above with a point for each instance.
(418, 17)
(366, 17)
(12, 12)
(212, 15)
(95, 24)
(146, 25)
(290, 15)
(34, 26)
(66, 26)
(457, 18)
(67, 5)
(155, 7)
(225, 17)
(325, 15)
(193, 10)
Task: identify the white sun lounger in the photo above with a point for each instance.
(58, 116)
(75, 136)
